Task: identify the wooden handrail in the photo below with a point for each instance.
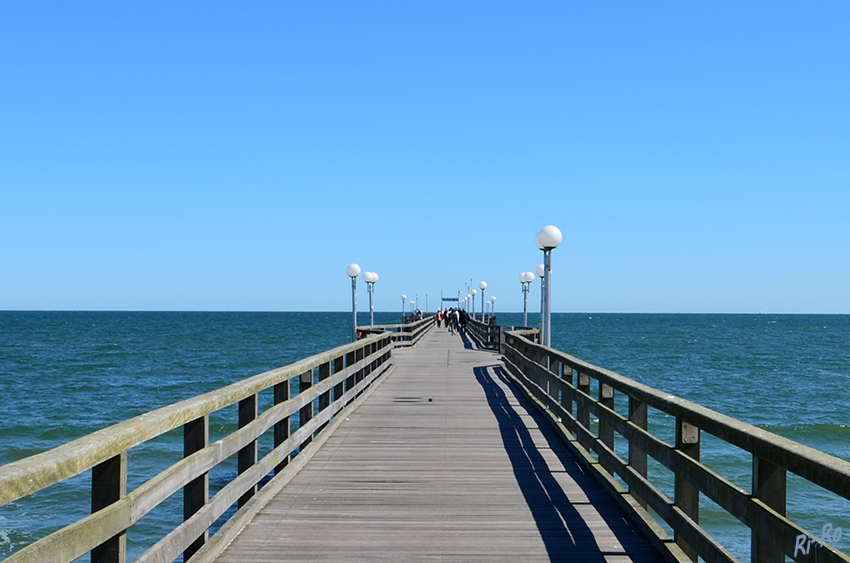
(403, 334)
(558, 382)
(355, 366)
(487, 335)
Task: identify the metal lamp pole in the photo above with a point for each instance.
(403, 297)
(540, 273)
(353, 270)
(483, 286)
(370, 278)
(525, 279)
(547, 240)
(473, 293)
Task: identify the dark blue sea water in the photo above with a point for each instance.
(65, 374)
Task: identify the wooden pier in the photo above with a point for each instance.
(443, 462)
(415, 444)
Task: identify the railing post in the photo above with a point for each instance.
(281, 428)
(583, 385)
(324, 398)
(196, 437)
(306, 412)
(358, 355)
(687, 495)
(637, 457)
(338, 366)
(769, 486)
(606, 430)
(108, 485)
(556, 367)
(349, 381)
(248, 455)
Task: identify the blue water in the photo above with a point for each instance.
(66, 374)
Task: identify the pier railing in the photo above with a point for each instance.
(487, 335)
(561, 386)
(329, 384)
(407, 334)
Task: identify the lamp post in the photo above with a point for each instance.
(493, 306)
(540, 269)
(370, 278)
(353, 270)
(525, 278)
(483, 286)
(403, 297)
(547, 239)
(474, 292)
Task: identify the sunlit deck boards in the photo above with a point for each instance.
(443, 462)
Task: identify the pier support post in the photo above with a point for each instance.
(108, 485)
(196, 492)
(769, 486)
(687, 495)
(248, 455)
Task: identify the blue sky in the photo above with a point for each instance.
(237, 156)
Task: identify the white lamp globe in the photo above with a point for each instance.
(529, 277)
(474, 292)
(367, 277)
(522, 277)
(468, 295)
(541, 269)
(548, 238)
(493, 299)
(403, 296)
(374, 277)
(483, 285)
(353, 270)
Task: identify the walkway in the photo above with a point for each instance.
(443, 463)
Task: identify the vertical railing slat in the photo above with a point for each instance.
(338, 366)
(770, 487)
(606, 429)
(248, 455)
(109, 484)
(637, 457)
(306, 412)
(281, 428)
(196, 436)
(686, 494)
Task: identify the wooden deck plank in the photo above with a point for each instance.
(444, 462)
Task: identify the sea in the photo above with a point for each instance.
(66, 374)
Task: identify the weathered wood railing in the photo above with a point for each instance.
(561, 384)
(403, 334)
(487, 335)
(330, 384)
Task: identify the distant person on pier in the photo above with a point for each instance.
(464, 318)
(439, 317)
